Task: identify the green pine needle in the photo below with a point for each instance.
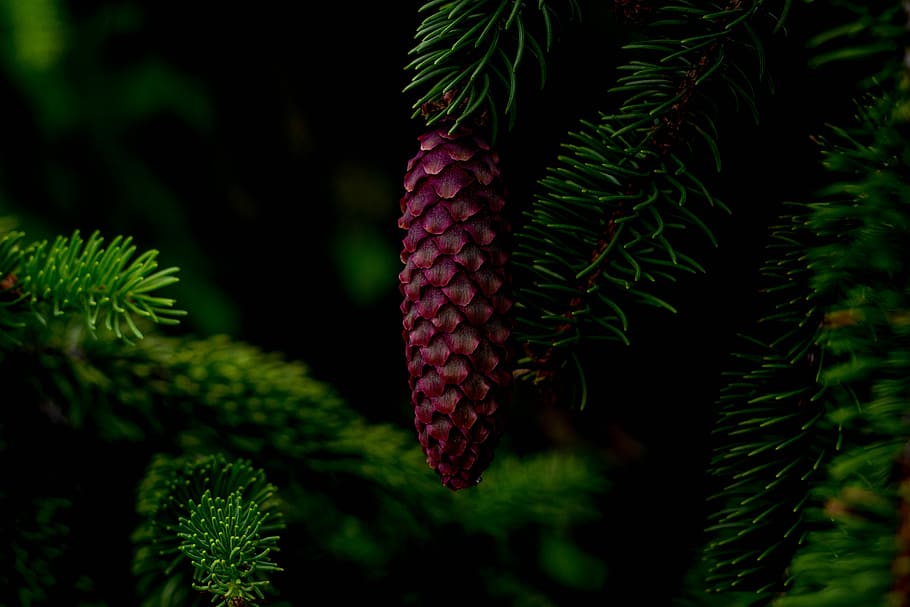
(222, 538)
(109, 286)
(473, 51)
(605, 223)
(209, 523)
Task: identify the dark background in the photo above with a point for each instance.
(261, 150)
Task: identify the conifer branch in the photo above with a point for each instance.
(847, 250)
(867, 35)
(469, 55)
(770, 442)
(199, 395)
(208, 524)
(861, 270)
(601, 231)
(111, 287)
(221, 537)
(167, 395)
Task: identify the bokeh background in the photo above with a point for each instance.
(260, 148)
(257, 149)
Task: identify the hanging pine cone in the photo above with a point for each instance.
(456, 302)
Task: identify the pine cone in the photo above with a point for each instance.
(456, 302)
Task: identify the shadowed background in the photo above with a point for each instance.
(262, 150)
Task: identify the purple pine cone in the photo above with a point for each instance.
(456, 304)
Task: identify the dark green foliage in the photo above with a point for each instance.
(83, 95)
(469, 56)
(35, 538)
(812, 433)
(769, 442)
(207, 520)
(860, 267)
(105, 284)
(599, 233)
(356, 496)
(230, 557)
(629, 185)
(191, 462)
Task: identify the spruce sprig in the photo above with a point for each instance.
(601, 231)
(195, 511)
(111, 286)
(221, 537)
(861, 269)
(769, 441)
(469, 55)
(842, 448)
(866, 34)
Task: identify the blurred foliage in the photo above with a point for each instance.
(81, 100)
(265, 163)
(359, 501)
(219, 139)
(149, 120)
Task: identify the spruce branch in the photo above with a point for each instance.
(110, 286)
(200, 395)
(347, 486)
(861, 535)
(866, 35)
(842, 448)
(221, 537)
(601, 230)
(470, 53)
(769, 440)
(861, 270)
(208, 523)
